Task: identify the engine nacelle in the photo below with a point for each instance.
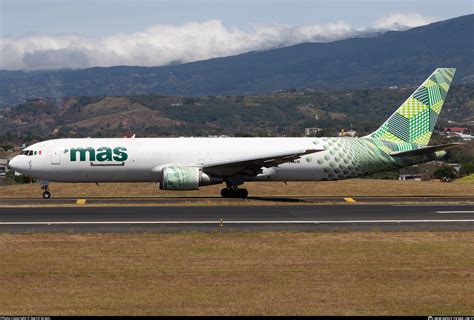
(185, 178)
(440, 154)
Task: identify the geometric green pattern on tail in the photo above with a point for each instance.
(414, 120)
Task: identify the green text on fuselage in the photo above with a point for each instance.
(100, 154)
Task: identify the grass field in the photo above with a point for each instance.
(363, 273)
(354, 187)
(467, 179)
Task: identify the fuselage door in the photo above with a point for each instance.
(56, 156)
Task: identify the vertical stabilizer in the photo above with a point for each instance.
(415, 119)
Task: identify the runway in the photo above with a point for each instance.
(217, 200)
(238, 218)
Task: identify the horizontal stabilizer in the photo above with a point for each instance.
(426, 150)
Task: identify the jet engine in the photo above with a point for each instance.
(440, 154)
(185, 178)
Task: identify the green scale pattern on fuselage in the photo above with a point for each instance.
(346, 158)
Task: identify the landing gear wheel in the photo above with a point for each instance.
(242, 193)
(45, 187)
(234, 193)
(226, 193)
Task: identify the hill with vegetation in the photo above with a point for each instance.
(392, 58)
(277, 114)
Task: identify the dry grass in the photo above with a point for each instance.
(355, 187)
(371, 273)
(467, 179)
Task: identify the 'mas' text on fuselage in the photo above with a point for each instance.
(100, 154)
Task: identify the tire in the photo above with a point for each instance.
(225, 193)
(234, 193)
(242, 193)
(46, 195)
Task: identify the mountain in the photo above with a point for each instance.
(393, 58)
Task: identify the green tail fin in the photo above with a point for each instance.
(414, 120)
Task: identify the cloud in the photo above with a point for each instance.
(402, 21)
(164, 44)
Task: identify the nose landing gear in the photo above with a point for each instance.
(46, 193)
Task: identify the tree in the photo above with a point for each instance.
(445, 172)
(11, 178)
(467, 168)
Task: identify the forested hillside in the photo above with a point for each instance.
(278, 114)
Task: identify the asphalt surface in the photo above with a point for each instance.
(217, 200)
(238, 218)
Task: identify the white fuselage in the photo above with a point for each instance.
(53, 160)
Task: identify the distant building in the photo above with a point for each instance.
(455, 129)
(350, 133)
(428, 168)
(458, 132)
(310, 132)
(3, 167)
(455, 166)
(465, 137)
(414, 177)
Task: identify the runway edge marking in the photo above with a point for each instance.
(454, 211)
(232, 222)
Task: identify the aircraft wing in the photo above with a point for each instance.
(425, 150)
(253, 165)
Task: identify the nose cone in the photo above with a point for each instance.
(18, 163)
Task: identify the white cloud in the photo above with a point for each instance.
(401, 21)
(164, 44)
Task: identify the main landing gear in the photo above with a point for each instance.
(46, 193)
(234, 192)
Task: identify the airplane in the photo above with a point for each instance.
(189, 163)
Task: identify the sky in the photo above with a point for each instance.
(49, 34)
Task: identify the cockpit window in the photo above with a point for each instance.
(28, 152)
